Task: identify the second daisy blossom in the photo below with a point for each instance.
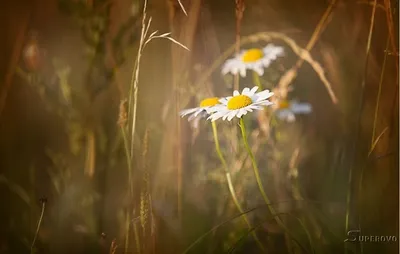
(252, 59)
(204, 109)
(240, 104)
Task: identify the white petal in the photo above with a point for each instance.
(248, 109)
(212, 109)
(234, 70)
(232, 115)
(216, 115)
(241, 113)
(253, 91)
(236, 93)
(285, 114)
(229, 114)
(243, 72)
(223, 101)
(259, 70)
(254, 106)
(273, 51)
(188, 111)
(266, 62)
(228, 66)
(246, 90)
(262, 95)
(263, 103)
(198, 111)
(301, 108)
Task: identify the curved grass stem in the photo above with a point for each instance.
(230, 185)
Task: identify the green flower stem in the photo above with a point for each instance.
(256, 80)
(257, 174)
(230, 185)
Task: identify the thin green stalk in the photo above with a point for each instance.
(257, 80)
(259, 182)
(230, 185)
(255, 167)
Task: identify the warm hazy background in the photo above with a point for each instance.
(184, 208)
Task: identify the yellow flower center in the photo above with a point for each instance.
(239, 101)
(209, 102)
(252, 55)
(284, 104)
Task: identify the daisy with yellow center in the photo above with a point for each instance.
(239, 104)
(252, 59)
(208, 106)
(287, 110)
(204, 109)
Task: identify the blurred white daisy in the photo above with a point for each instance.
(287, 110)
(252, 59)
(239, 104)
(203, 110)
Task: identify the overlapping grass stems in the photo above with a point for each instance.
(129, 116)
(230, 184)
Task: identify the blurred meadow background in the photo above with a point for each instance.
(96, 158)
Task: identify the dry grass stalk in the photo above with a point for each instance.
(186, 35)
(182, 7)
(145, 38)
(18, 45)
(358, 127)
(145, 193)
(291, 74)
(91, 154)
(122, 114)
(390, 25)
(266, 36)
(239, 17)
(304, 54)
(133, 93)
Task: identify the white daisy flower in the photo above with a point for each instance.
(252, 59)
(286, 110)
(239, 104)
(203, 110)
